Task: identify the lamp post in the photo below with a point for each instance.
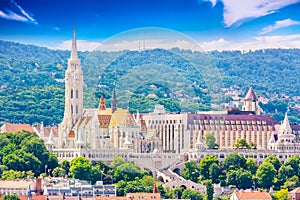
(46, 169)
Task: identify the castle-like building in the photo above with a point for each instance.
(103, 133)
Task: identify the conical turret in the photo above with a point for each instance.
(285, 126)
(101, 104)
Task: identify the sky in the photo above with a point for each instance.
(132, 24)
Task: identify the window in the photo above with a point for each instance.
(71, 94)
(71, 109)
(76, 109)
(76, 94)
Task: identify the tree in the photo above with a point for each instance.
(59, 172)
(66, 166)
(81, 168)
(284, 172)
(274, 161)
(191, 194)
(281, 194)
(265, 175)
(148, 182)
(127, 171)
(209, 190)
(244, 179)
(96, 174)
(234, 161)
(191, 171)
(11, 197)
(52, 161)
(251, 165)
(241, 143)
(117, 161)
(210, 140)
(294, 162)
(11, 174)
(214, 172)
(205, 164)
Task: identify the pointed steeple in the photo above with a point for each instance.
(51, 138)
(79, 139)
(114, 100)
(285, 126)
(138, 118)
(101, 104)
(251, 95)
(74, 54)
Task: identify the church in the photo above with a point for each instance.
(94, 129)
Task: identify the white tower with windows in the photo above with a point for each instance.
(73, 93)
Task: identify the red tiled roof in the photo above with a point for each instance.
(253, 195)
(47, 130)
(13, 128)
(38, 197)
(15, 184)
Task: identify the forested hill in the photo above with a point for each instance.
(32, 88)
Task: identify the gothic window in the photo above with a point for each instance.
(76, 94)
(71, 94)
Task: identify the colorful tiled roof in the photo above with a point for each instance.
(122, 117)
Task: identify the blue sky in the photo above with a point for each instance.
(119, 24)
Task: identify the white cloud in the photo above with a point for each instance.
(236, 11)
(13, 11)
(84, 45)
(260, 42)
(278, 25)
(213, 2)
(56, 28)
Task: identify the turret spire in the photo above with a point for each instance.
(285, 126)
(102, 104)
(74, 54)
(114, 100)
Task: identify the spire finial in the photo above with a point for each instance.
(74, 54)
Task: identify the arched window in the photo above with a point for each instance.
(76, 109)
(71, 94)
(71, 109)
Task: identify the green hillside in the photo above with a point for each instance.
(32, 88)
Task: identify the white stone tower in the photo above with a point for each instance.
(251, 102)
(73, 92)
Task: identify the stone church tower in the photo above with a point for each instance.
(251, 102)
(73, 93)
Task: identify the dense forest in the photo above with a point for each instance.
(32, 87)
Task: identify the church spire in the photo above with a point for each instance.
(114, 100)
(74, 54)
(102, 104)
(285, 126)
